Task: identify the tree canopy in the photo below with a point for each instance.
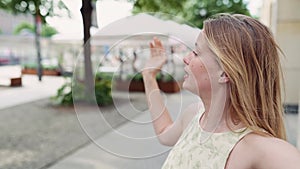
(47, 31)
(193, 12)
(43, 8)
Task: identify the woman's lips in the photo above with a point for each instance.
(186, 74)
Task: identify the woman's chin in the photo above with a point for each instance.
(185, 86)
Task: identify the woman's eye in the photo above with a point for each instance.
(195, 53)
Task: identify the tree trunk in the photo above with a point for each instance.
(86, 12)
(37, 29)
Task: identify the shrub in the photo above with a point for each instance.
(76, 91)
(135, 77)
(103, 92)
(64, 95)
(34, 66)
(103, 76)
(159, 77)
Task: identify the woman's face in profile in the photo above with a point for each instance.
(201, 67)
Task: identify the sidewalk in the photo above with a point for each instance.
(37, 135)
(31, 89)
(131, 146)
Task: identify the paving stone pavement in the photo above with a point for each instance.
(37, 134)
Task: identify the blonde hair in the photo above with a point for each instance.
(249, 56)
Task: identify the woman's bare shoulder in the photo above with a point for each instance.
(271, 152)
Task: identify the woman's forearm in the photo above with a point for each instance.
(159, 113)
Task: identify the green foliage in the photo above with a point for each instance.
(23, 26)
(64, 95)
(43, 8)
(50, 67)
(103, 92)
(34, 66)
(103, 76)
(193, 12)
(135, 77)
(205, 9)
(29, 66)
(167, 78)
(103, 83)
(76, 91)
(47, 31)
(159, 77)
(2, 4)
(173, 7)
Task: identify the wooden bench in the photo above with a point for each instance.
(11, 81)
(16, 81)
(10, 76)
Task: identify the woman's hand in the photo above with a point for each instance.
(157, 59)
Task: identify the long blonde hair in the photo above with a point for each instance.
(249, 56)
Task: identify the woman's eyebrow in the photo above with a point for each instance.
(197, 47)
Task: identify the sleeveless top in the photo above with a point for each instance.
(198, 149)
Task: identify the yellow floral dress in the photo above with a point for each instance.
(197, 149)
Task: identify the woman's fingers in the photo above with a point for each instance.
(158, 56)
(158, 43)
(156, 48)
(152, 49)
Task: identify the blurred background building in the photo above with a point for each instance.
(283, 17)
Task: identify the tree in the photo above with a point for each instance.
(86, 12)
(39, 9)
(23, 26)
(173, 7)
(194, 12)
(47, 31)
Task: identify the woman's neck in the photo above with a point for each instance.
(217, 117)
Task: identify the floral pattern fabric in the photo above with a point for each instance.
(197, 149)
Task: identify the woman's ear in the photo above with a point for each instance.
(223, 78)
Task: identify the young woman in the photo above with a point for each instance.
(235, 70)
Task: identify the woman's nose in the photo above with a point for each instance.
(187, 58)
